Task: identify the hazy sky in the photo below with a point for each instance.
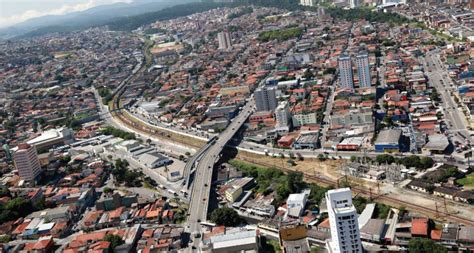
(16, 11)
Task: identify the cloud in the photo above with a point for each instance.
(64, 9)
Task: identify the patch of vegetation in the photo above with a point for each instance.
(226, 216)
(118, 133)
(272, 179)
(281, 34)
(407, 161)
(246, 10)
(123, 175)
(130, 23)
(468, 180)
(423, 245)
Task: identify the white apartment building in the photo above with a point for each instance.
(224, 40)
(345, 235)
(282, 115)
(363, 70)
(345, 72)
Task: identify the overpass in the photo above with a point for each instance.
(204, 164)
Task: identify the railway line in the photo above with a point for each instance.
(438, 214)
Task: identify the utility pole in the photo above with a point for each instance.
(436, 207)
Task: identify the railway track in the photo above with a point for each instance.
(380, 198)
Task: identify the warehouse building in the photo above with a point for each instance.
(388, 141)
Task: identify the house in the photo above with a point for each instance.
(419, 227)
(420, 186)
(445, 192)
(465, 196)
(296, 203)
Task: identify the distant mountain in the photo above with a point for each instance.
(83, 19)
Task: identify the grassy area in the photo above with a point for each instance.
(467, 181)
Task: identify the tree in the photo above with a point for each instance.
(321, 157)
(114, 240)
(295, 181)
(381, 159)
(225, 216)
(353, 158)
(422, 245)
(107, 190)
(426, 162)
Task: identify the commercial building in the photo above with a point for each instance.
(233, 241)
(265, 99)
(53, 137)
(153, 160)
(282, 115)
(388, 141)
(224, 40)
(27, 162)
(345, 72)
(363, 70)
(345, 236)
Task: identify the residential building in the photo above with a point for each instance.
(345, 72)
(307, 2)
(345, 236)
(27, 162)
(282, 115)
(224, 40)
(265, 99)
(363, 70)
(304, 118)
(296, 203)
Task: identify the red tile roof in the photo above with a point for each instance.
(419, 227)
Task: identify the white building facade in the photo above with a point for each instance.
(345, 72)
(345, 235)
(363, 70)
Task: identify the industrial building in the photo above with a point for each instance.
(388, 140)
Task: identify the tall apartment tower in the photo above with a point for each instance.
(354, 3)
(306, 2)
(282, 115)
(345, 72)
(224, 40)
(363, 70)
(345, 236)
(27, 162)
(265, 99)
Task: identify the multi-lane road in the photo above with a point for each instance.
(438, 77)
(203, 175)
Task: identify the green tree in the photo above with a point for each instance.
(385, 158)
(423, 245)
(426, 162)
(114, 240)
(226, 216)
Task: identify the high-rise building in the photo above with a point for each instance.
(265, 99)
(307, 2)
(354, 3)
(363, 70)
(224, 40)
(345, 235)
(345, 72)
(27, 162)
(282, 115)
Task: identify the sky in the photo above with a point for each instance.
(17, 11)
